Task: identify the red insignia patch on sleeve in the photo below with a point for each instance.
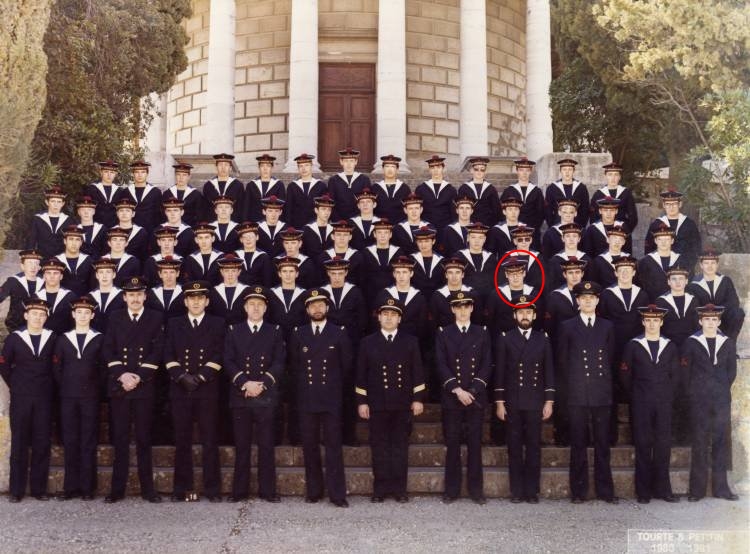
(624, 366)
(2, 359)
(684, 361)
(55, 359)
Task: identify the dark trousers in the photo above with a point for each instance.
(335, 480)
(681, 411)
(561, 414)
(30, 426)
(80, 428)
(184, 412)
(349, 415)
(524, 451)
(389, 443)
(454, 422)
(243, 420)
(579, 465)
(123, 411)
(652, 432)
(711, 425)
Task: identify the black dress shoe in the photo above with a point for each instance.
(68, 496)
(481, 500)
(402, 498)
(449, 499)
(214, 498)
(516, 499)
(577, 500)
(534, 499)
(112, 498)
(312, 499)
(340, 503)
(14, 498)
(610, 499)
(728, 496)
(671, 498)
(693, 498)
(272, 498)
(643, 500)
(87, 497)
(42, 497)
(234, 499)
(178, 497)
(153, 498)
(377, 499)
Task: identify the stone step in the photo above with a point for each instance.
(291, 481)
(422, 433)
(422, 455)
(432, 413)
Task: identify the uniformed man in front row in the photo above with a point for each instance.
(77, 369)
(524, 404)
(26, 367)
(133, 348)
(648, 372)
(320, 356)
(464, 366)
(390, 389)
(193, 358)
(584, 348)
(254, 358)
(710, 359)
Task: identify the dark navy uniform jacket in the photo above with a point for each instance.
(319, 366)
(26, 373)
(464, 360)
(524, 370)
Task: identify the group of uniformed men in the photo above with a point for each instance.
(287, 309)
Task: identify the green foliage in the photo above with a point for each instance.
(593, 109)
(106, 55)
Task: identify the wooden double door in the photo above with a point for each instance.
(346, 113)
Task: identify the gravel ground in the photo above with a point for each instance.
(424, 525)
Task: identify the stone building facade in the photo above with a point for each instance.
(408, 77)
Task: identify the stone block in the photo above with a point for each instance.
(246, 58)
(434, 109)
(447, 94)
(418, 25)
(281, 106)
(447, 59)
(257, 143)
(280, 140)
(446, 128)
(246, 92)
(259, 41)
(247, 126)
(259, 73)
(421, 91)
(271, 124)
(240, 76)
(184, 104)
(434, 144)
(183, 137)
(434, 75)
(276, 55)
(191, 118)
(281, 72)
(258, 107)
(273, 23)
(272, 90)
(418, 125)
(417, 56)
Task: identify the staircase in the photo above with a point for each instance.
(426, 459)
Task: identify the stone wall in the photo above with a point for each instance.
(261, 79)
(506, 77)
(432, 80)
(186, 103)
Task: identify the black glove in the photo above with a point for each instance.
(188, 381)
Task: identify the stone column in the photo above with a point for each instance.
(303, 83)
(391, 82)
(473, 100)
(219, 135)
(156, 145)
(538, 79)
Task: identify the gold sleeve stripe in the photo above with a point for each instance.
(235, 377)
(419, 388)
(213, 365)
(478, 379)
(361, 392)
(150, 366)
(170, 365)
(449, 380)
(271, 376)
(114, 363)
